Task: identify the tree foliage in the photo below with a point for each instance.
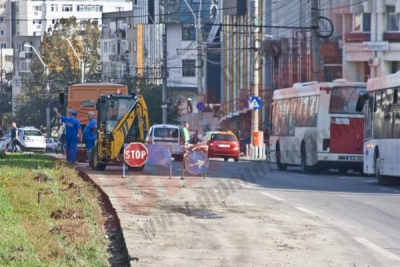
(153, 97)
(63, 66)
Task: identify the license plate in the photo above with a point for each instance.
(81, 145)
(223, 145)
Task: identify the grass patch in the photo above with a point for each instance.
(49, 216)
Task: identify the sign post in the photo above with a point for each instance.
(136, 154)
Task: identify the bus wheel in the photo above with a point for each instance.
(304, 168)
(281, 166)
(96, 164)
(382, 179)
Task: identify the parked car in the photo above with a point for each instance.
(5, 141)
(169, 135)
(51, 144)
(222, 145)
(30, 139)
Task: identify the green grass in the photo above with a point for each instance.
(48, 215)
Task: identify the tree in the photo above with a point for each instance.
(152, 96)
(63, 66)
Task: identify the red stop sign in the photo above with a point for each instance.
(136, 154)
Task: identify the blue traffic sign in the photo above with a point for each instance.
(254, 102)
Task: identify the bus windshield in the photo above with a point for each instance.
(344, 99)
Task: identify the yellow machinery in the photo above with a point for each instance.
(121, 119)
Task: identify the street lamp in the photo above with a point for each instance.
(46, 71)
(81, 62)
(197, 25)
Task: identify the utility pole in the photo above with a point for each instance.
(256, 37)
(315, 41)
(199, 40)
(164, 76)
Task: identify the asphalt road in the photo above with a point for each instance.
(251, 214)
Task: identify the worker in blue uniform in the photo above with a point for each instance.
(73, 133)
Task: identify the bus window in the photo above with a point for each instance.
(344, 99)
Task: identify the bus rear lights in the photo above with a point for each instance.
(325, 144)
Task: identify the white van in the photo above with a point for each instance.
(168, 135)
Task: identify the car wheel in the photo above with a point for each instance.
(236, 159)
(226, 159)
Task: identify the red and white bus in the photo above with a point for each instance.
(316, 125)
(382, 127)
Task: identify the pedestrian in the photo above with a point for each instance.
(73, 133)
(89, 135)
(185, 133)
(14, 134)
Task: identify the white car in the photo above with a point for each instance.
(51, 144)
(30, 139)
(5, 141)
(168, 135)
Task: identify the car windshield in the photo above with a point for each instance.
(223, 137)
(33, 133)
(344, 99)
(166, 132)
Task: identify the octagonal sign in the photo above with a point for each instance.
(136, 154)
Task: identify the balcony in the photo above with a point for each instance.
(357, 37)
(393, 37)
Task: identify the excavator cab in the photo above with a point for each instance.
(121, 119)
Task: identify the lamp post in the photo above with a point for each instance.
(81, 62)
(46, 71)
(197, 25)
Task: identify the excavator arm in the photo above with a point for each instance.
(110, 142)
(138, 111)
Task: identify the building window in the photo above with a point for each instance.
(105, 47)
(188, 32)
(188, 68)
(37, 8)
(362, 22)
(392, 19)
(66, 8)
(2, 6)
(3, 45)
(54, 21)
(1, 19)
(54, 7)
(2, 32)
(37, 21)
(9, 58)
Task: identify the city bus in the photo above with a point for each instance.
(381, 106)
(316, 126)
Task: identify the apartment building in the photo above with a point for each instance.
(33, 18)
(5, 24)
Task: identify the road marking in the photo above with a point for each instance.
(309, 212)
(301, 175)
(370, 181)
(243, 184)
(272, 196)
(378, 249)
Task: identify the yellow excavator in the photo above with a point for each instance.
(121, 119)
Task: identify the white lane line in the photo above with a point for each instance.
(378, 249)
(389, 190)
(309, 212)
(301, 175)
(272, 196)
(243, 184)
(370, 181)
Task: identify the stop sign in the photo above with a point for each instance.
(136, 154)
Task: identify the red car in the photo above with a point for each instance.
(222, 145)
